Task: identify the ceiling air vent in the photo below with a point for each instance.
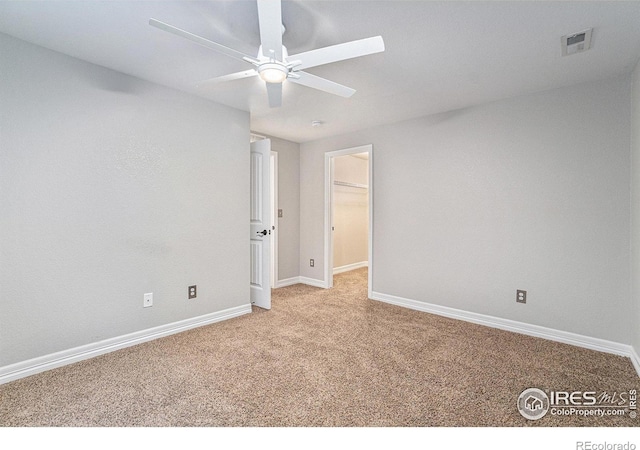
(576, 42)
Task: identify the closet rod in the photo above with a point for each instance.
(354, 185)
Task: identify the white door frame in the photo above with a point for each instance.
(274, 218)
(328, 212)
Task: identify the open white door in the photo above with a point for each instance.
(260, 229)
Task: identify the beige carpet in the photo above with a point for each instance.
(319, 358)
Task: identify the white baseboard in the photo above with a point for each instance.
(287, 282)
(516, 327)
(313, 282)
(301, 280)
(65, 357)
(349, 267)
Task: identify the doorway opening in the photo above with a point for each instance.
(349, 212)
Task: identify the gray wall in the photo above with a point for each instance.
(635, 208)
(111, 187)
(289, 203)
(528, 193)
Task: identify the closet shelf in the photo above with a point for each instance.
(353, 185)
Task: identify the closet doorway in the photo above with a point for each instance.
(348, 212)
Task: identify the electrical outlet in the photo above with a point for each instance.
(148, 300)
(521, 296)
(192, 291)
(312, 263)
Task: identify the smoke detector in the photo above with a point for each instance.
(576, 42)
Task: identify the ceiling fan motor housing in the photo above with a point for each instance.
(270, 69)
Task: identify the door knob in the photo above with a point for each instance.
(263, 232)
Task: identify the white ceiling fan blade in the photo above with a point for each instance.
(230, 77)
(274, 91)
(200, 40)
(270, 19)
(322, 84)
(339, 52)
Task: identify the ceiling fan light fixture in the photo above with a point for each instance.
(273, 72)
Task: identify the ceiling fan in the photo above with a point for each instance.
(274, 65)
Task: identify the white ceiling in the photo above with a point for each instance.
(439, 56)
